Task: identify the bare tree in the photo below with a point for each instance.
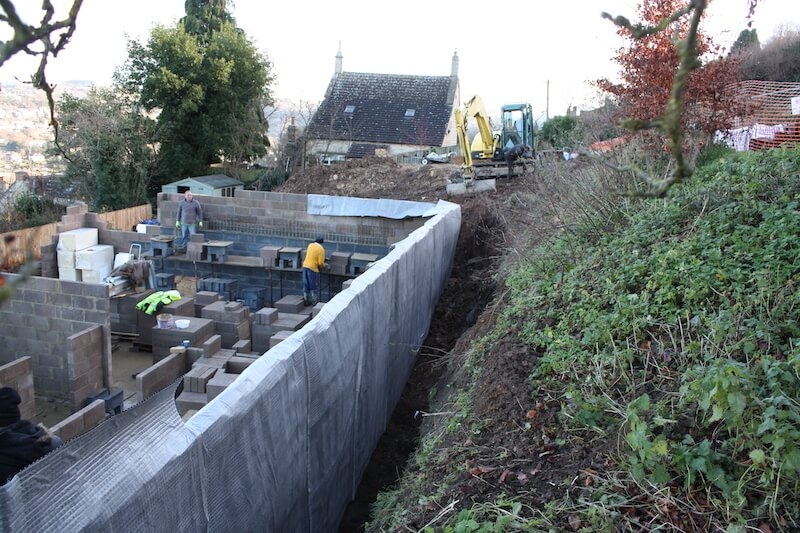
(43, 39)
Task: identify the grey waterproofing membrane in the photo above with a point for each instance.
(281, 449)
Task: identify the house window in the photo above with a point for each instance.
(410, 113)
(349, 109)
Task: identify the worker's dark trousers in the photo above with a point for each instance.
(310, 286)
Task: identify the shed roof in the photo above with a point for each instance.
(216, 181)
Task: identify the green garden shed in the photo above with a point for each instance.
(213, 185)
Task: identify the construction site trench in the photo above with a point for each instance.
(470, 287)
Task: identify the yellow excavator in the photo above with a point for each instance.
(492, 154)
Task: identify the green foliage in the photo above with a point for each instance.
(210, 85)
(31, 210)
(746, 41)
(108, 147)
(649, 451)
(488, 518)
(704, 287)
(204, 17)
(562, 132)
(777, 60)
(269, 179)
(712, 152)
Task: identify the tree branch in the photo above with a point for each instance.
(670, 121)
(26, 35)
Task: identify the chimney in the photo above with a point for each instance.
(338, 69)
(291, 131)
(454, 65)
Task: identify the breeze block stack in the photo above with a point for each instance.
(231, 321)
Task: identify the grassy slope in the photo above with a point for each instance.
(669, 346)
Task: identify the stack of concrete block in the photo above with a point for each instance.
(289, 257)
(212, 371)
(199, 330)
(95, 263)
(243, 346)
(182, 307)
(196, 249)
(290, 303)
(225, 287)
(204, 298)
(269, 321)
(360, 262)
(124, 316)
(279, 337)
(270, 256)
(165, 282)
(196, 379)
(262, 328)
(218, 383)
(253, 297)
(70, 242)
(340, 263)
(231, 321)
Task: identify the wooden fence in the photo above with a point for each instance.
(17, 246)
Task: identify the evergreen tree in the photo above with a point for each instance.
(204, 17)
(206, 80)
(747, 41)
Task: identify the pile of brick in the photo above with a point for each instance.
(271, 325)
(213, 369)
(227, 288)
(231, 321)
(204, 298)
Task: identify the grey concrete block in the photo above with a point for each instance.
(290, 304)
(218, 383)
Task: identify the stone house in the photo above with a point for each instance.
(366, 114)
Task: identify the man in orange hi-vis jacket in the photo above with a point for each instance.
(312, 265)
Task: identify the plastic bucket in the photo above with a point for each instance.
(164, 320)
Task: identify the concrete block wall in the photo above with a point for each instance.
(282, 283)
(18, 374)
(81, 421)
(285, 215)
(160, 375)
(38, 320)
(88, 363)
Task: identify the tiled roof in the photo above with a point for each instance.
(385, 108)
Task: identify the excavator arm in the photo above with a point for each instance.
(474, 109)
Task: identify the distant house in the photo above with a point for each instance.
(214, 185)
(389, 114)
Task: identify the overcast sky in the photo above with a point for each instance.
(508, 52)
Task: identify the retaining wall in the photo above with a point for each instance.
(282, 448)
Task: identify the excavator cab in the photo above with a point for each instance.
(517, 120)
